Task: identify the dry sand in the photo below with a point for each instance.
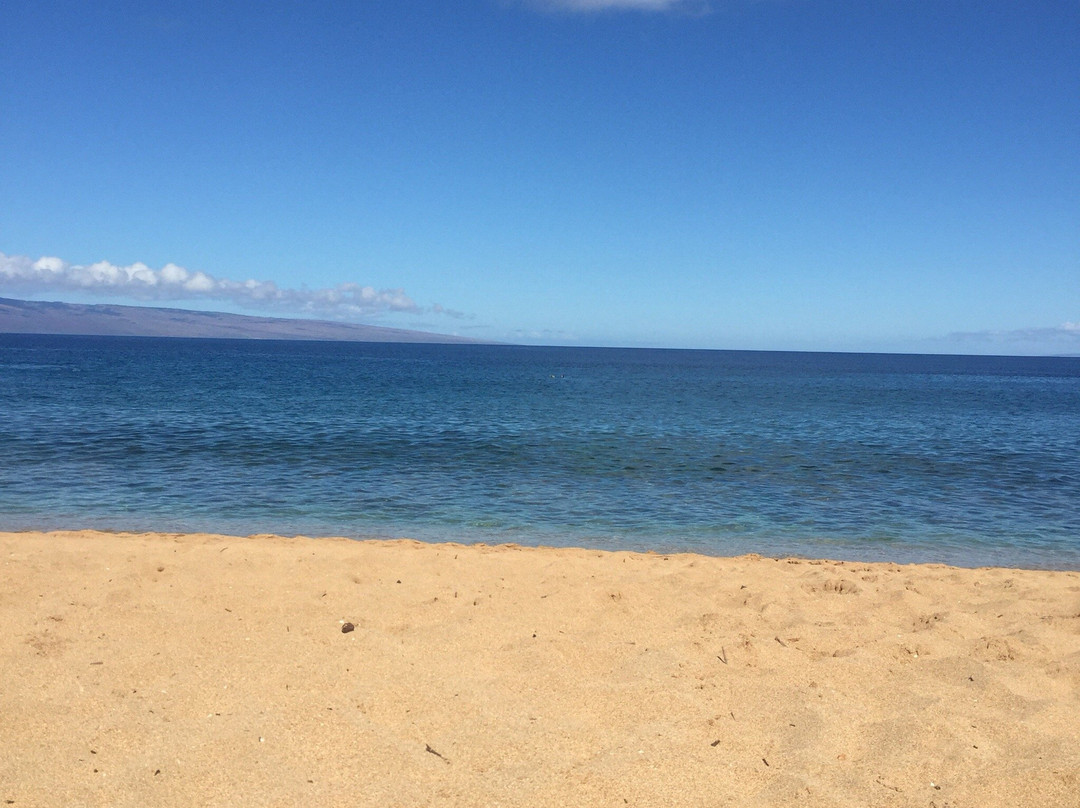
(146, 670)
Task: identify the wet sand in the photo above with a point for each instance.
(149, 670)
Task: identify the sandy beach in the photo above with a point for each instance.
(149, 670)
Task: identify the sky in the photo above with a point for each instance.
(884, 175)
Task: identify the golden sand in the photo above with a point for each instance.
(184, 670)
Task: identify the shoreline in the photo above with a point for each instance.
(906, 557)
(168, 669)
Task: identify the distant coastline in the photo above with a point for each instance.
(107, 320)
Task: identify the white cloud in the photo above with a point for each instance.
(172, 282)
(457, 315)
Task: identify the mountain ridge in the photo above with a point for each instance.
(114, 320)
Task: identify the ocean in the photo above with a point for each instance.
(963, 460)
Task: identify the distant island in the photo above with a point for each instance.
(38, 317)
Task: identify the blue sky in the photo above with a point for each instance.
(766, 174)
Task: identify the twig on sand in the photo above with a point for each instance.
(882, 783)
(722, 655)
(428, 748)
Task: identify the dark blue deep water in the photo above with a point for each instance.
(966, 460)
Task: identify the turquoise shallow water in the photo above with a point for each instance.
(965, 460)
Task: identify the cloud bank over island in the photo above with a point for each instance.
(19, 273)
(1064, 338)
